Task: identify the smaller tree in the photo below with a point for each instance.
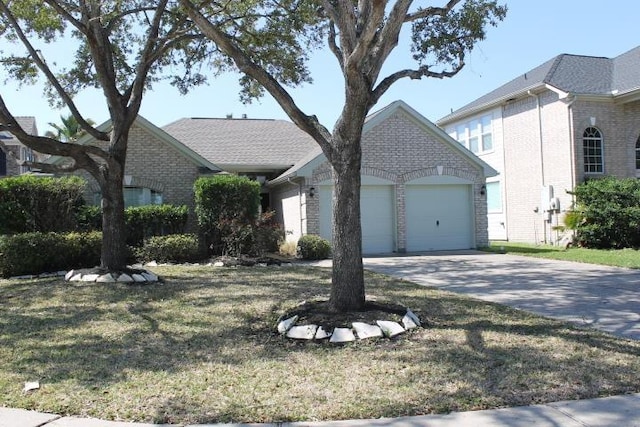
(70, 130)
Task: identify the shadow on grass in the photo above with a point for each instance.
(201, 348)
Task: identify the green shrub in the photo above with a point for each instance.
(311, 246)
(89, 218)
(254, 239)
(171, 248)
(29, 203)
(608, 213)
(226, 205)
(35, 253)
(144, 222)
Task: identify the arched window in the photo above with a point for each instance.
(638, 154)
(592, 151)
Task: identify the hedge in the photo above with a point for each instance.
(172, 248)
(39, 204)
(35, 253)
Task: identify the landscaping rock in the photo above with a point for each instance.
(413, 317)
(69, 275)
(30, 386)
(150, 277)
(76, 277)
(218, 264)
(286, 324)
(90, 277)
(341, 335)
(138, 278)
(322, 333)
(390, 329)
(364, 330)
(409, 322)
(302, 332)
(105, 278)
(151, 264)
(124, 278)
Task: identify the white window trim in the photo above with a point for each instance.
(464, 140)
(602, 156)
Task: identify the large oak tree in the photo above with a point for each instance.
(361, 34)
(121, 48)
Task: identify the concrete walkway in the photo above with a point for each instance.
(617, 411)
(603, 297)
(606, 298)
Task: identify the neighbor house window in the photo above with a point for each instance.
(494, 197)
(26, 154)
(476, 134)
(592, 151)
(638, 154)
(3, 163)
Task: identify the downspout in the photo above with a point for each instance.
(542, 208)
(571, 143)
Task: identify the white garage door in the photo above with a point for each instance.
(377, 215)
(438, 217)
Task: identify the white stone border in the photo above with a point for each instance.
(359, 330)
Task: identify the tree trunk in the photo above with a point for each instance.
(113, 256)
(347, 290)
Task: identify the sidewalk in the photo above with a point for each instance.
(616, 411)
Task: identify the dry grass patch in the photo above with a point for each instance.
(201, 348)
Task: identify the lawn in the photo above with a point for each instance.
(629, 258)
(201, 348)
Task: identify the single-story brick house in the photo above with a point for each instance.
(421, 190)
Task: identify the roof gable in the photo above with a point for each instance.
(158, 133)
(306, 165)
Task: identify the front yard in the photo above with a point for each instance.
(201, 348)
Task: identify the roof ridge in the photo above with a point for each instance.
(554, 67)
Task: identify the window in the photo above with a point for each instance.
(494, 197)
(26, 154)
(476, 134)
(592, 151)
(3, 163)
(638, 154)
(140, 196)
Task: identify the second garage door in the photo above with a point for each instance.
(438, 217)
(377, 216)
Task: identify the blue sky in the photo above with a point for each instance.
(532, 33)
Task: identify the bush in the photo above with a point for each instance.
(313, 247)
(255, 239)
(171, 248)
(226, 206)
(39, 204)
(35, 253)
(144, 222)
(607, 213)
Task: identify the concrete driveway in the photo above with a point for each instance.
(606, 298)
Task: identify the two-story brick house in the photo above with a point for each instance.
(14, 152)
(569, 119)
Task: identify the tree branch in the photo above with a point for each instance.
(333, 46)
(431, 11)
(418, 74)
(42, 65)
(245, 64)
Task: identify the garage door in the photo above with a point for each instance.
(377, 215)
(438, 217)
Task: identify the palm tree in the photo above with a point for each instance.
(69, 131)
